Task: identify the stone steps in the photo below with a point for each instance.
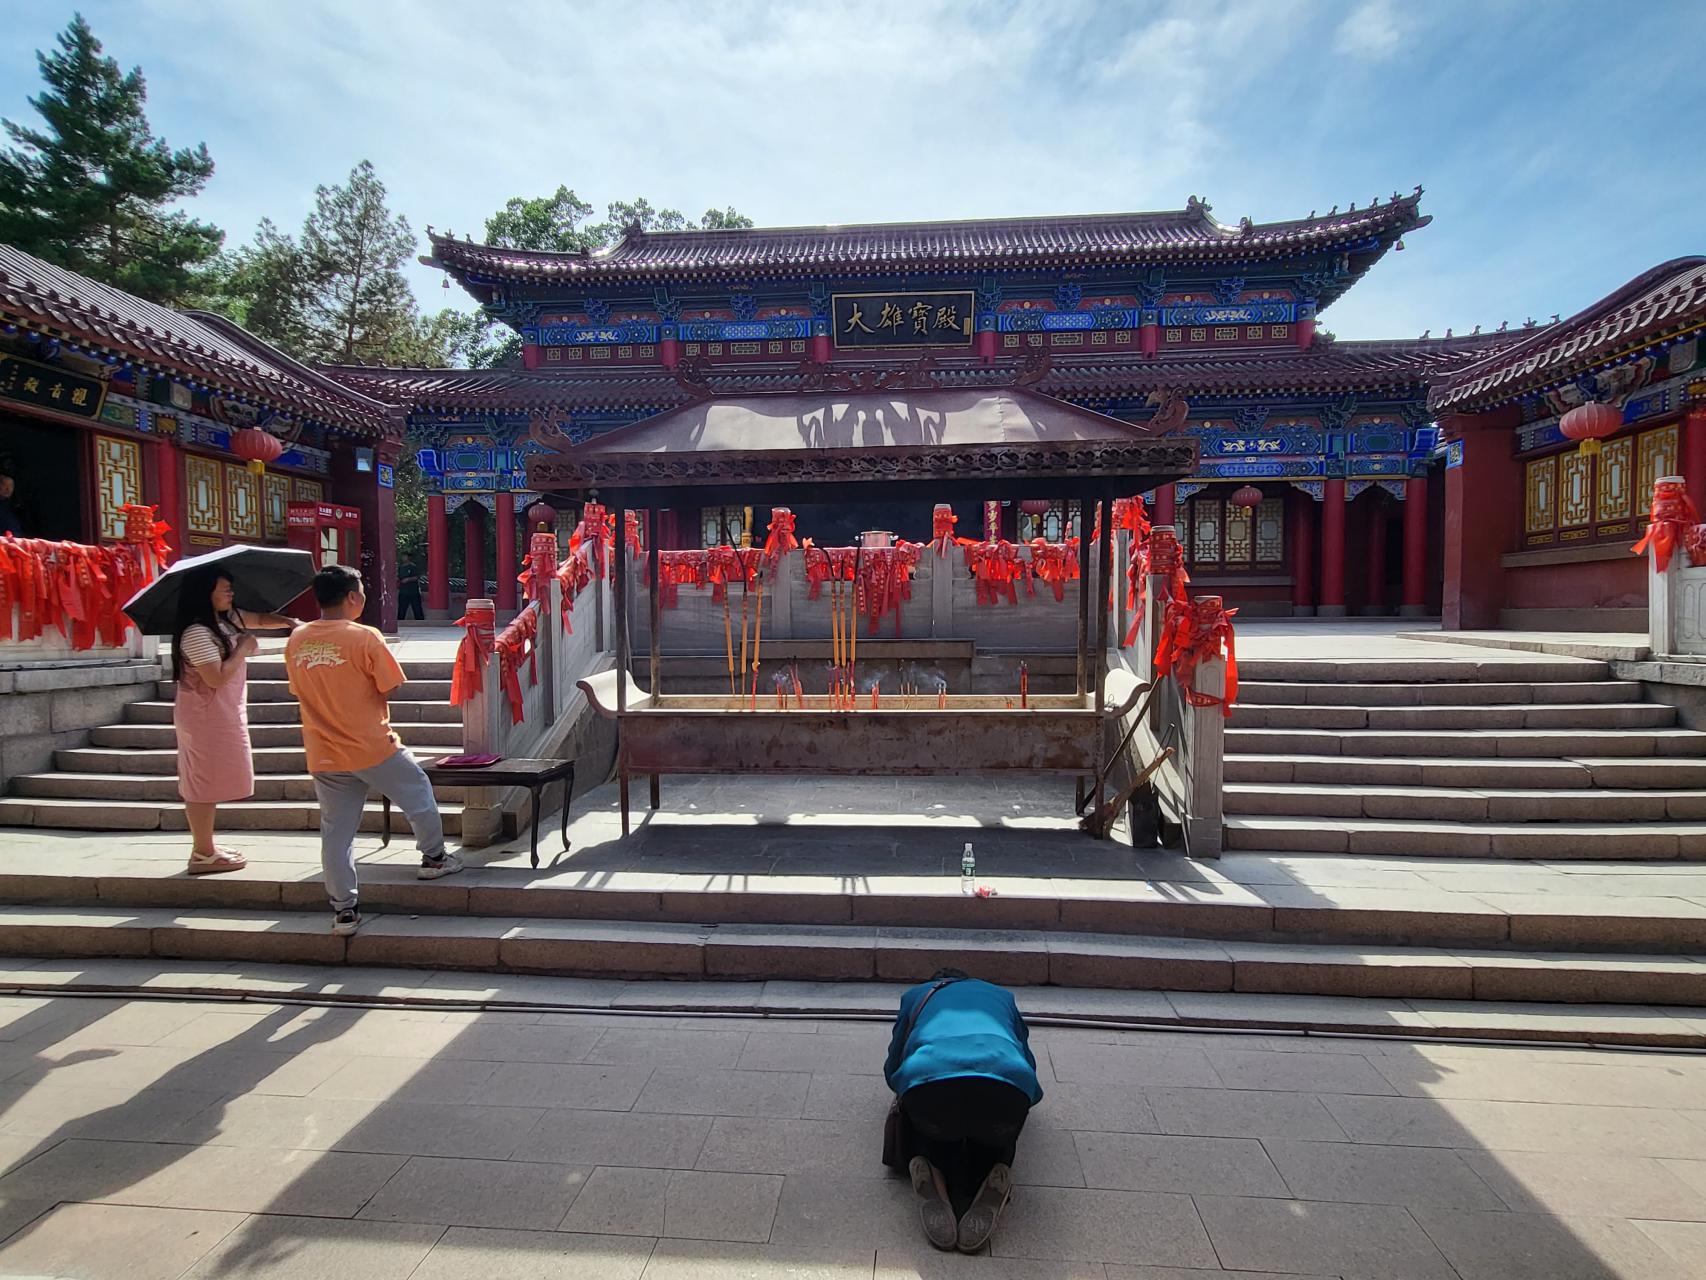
(1575, 716)
(1467, 743)
(163, 788)
(1444, 771)
(152, 737)
(271, 668)
(290, 713)
(1542, 841)
(756, 952)
(1461, 693)
(279, 691)
(1461, 804)
(88, 814)
(1411, 671)
(115, 760)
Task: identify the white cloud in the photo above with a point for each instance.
(1374, 30)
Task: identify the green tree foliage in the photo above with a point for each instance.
(91, 188)
(559, 222)
(336, 292)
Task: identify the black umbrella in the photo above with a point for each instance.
(263, 580)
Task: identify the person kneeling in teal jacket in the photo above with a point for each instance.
(964, 1079)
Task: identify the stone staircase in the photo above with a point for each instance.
(1548, 760)
(126, 778)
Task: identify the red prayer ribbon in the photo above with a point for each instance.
(1191, 634)
(1668, 521)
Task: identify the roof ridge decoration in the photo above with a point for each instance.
(967, 245)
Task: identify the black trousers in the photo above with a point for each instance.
(410, 600)
(965, 1126)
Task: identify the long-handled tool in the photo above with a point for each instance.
(1137, 719)
(1102, 821)
(757, 637)
(728, 637)
(740, 678)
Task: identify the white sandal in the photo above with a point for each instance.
(216, 863)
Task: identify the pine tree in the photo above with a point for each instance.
(359, 305)
(92, 188)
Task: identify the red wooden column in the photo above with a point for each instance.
(1415, 601)
(1374, 575)
(1165, 505)
(1332, 603)
(474, 549)
(1692, 464)
(438, 555)
(1302, 555)
(1483, 512)
(507, 570)
(169, 492)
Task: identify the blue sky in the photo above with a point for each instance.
(1559, 140)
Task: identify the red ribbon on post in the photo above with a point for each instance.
(518, 641)
(942, 522)
(1669, 521)
(1194, 633)
(468, 676)
(781, 539)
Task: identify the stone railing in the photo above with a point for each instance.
(1675, 547)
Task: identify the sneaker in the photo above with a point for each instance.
(346, 922)
(978, 1224)
(933, 1208)
(446, 864)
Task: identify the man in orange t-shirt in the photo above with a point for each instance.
(342, 674)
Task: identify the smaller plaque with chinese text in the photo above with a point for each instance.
(50, 387)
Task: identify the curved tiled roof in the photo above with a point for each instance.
(1188, 235)
(193, 344)
(1329, 367)
(1669, 298)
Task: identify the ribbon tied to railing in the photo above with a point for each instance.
(1670, 518)
(1194, 632)
(468, 676)
(80, 589)
(1056, 563)
(997, 567)
(781, 539)
(516, 642)
(942, 522)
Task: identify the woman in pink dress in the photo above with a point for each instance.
(210, 657)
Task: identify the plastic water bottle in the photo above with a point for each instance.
(968, 870)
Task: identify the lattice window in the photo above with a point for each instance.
(306, 490)
(1254, 331)
(720, 525)
(1219, 535)
(242, 502)
(1279, 331)
(1575, 491)
(1270, 531)
(1199, 335)
(1226, 333)
(1656, 451)
(118, 467)
(276, 499)
(1540, 499)
(1615, 486)
(1056, 524)
(204, 496)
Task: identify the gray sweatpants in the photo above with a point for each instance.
(342, 796)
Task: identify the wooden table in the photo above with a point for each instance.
(535, 775)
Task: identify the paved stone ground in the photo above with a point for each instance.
(165, 1139)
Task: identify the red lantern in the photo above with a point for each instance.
(1035, 506)
(541, 516)
(259, 447)
(1590, 423)
(1248, 496)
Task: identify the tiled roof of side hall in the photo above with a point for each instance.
(1670, 298)
(1330, 367)
(195, 344)
(1188, 235)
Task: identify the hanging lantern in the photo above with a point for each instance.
(1035, 506)
(541, 516)
(1590, 423)
(1247, 496)
(259, 447)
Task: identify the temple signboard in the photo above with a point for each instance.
(935, 319)
(48, 386)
